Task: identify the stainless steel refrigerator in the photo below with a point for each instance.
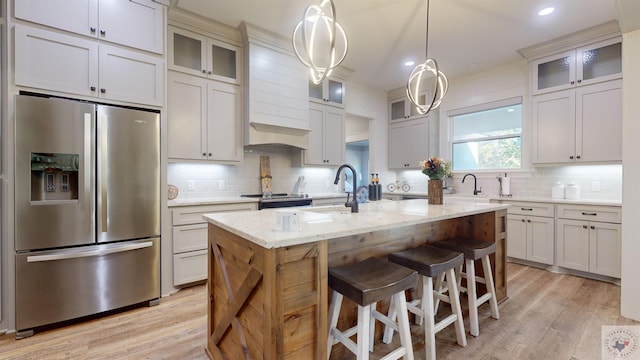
(87, 209)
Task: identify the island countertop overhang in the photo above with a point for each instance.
(323, 223)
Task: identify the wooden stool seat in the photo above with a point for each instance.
(432, 262)
(474, 249)
(371, 280)
(428, 260)
(366, 283)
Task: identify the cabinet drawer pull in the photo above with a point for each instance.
(590, 214)
(526, 209)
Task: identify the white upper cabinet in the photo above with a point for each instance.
(70, 64)
(135, 23)
(199, 55)
(578, 125)
(326, 138)
(591, 64)
(330, 91)
(408, 143)
(204, 120)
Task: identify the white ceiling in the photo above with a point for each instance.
(464, 35)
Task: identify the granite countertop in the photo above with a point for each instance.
(260, 226)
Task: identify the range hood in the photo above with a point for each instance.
(276, 90)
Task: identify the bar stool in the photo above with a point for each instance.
(366, 283)
(432, 262)
(474, 249)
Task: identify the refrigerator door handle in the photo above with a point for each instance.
(103, 173)
(65, 255)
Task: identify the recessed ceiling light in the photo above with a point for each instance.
(409, 63)
(546, 11)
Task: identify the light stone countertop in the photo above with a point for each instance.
(482, 197)
(327, 222)
(237, 199)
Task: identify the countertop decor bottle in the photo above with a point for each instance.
(557, 191)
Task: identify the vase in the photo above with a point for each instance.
(434, 194)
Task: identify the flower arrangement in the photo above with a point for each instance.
(436, 168)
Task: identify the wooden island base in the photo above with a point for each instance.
(272, 303)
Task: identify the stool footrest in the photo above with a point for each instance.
(445, 322)
(343, 337)
(395, 354)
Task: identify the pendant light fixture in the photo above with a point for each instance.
(430, 74)
(319, 41)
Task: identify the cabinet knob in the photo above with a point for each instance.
(204, 154)
(209, 72)
(578, 157)
(103, 32)
(571, 157)
(522, 220)
(593, 227)
(103, 90)
(579, 81)
(92, 29)
(204, 71)
(209, 154)
(528, 221)
(573, 82)
(584, 226)
(93, 88)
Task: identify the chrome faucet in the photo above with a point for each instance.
(354, 203)
(475, 184)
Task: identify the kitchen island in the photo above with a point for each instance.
(268, 292)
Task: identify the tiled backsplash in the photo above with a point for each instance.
(538, 182)
(211, 180)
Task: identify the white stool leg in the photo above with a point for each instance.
(372, 327)
(473, 298)
(439, 288)
(334, 312)
(488, 279)
(429, 320)
(454, 297)
(403, 324)
(392, 314)
(419, 320)
(364, 322)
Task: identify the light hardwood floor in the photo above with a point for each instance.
(547, 316)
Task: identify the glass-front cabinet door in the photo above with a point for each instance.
(196, 54)
(595, 63)
(330, 91)
(403, 109)
(600, 62)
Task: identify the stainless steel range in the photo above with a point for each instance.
(280, 200)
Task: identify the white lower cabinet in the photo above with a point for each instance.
(69, 64)
(531, 237)
(590, 246)
(190, 239)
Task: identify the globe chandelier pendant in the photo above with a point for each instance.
(319, 41)
(429, 73)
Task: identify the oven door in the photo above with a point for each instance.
(281, 203)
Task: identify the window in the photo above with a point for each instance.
(488, 136)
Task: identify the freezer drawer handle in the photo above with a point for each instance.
(89, 253)
(590, 214)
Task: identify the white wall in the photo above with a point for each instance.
(630, 292)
